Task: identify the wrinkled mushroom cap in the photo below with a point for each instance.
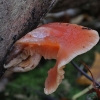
(60, 41)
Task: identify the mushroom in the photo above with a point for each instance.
(60, 41)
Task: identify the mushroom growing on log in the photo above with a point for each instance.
(60, 41)
(17, 18)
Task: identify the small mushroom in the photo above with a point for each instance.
(60, 41)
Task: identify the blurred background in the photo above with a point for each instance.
(30, 85)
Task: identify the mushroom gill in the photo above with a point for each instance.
(26, 60)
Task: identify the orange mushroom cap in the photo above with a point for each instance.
(60, 41)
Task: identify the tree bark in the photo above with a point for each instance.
(17, 18)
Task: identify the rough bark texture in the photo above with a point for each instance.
(17, 17)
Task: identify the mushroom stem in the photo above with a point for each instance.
(85, 74)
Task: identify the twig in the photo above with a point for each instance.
(85, 74)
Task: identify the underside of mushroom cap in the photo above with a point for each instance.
(26, 60)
